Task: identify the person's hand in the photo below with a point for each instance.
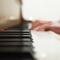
(41, 25)
(46, 26)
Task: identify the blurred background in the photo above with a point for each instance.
(32, 9)
(9, 8)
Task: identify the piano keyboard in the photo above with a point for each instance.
(16, 44)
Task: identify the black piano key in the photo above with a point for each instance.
(16, 33)
(22, 37)
(15, 40)
(16, 43)
(16, 56)
(16, 49)
(18, 30)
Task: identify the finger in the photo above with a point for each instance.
(44, 27)
(39, 28)
(41, 25)
(35, 24)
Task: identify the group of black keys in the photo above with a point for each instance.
(16, 44)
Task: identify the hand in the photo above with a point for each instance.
(46, 26)
(41, 25)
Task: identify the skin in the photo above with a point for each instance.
(40, 25)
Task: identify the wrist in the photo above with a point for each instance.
(55, 29)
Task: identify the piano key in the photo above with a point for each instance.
(14, 33)
(16, 40)
(18, 31)
(16, 43)
(15, 37)
(16, 49)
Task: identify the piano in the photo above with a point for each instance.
(16, 42)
